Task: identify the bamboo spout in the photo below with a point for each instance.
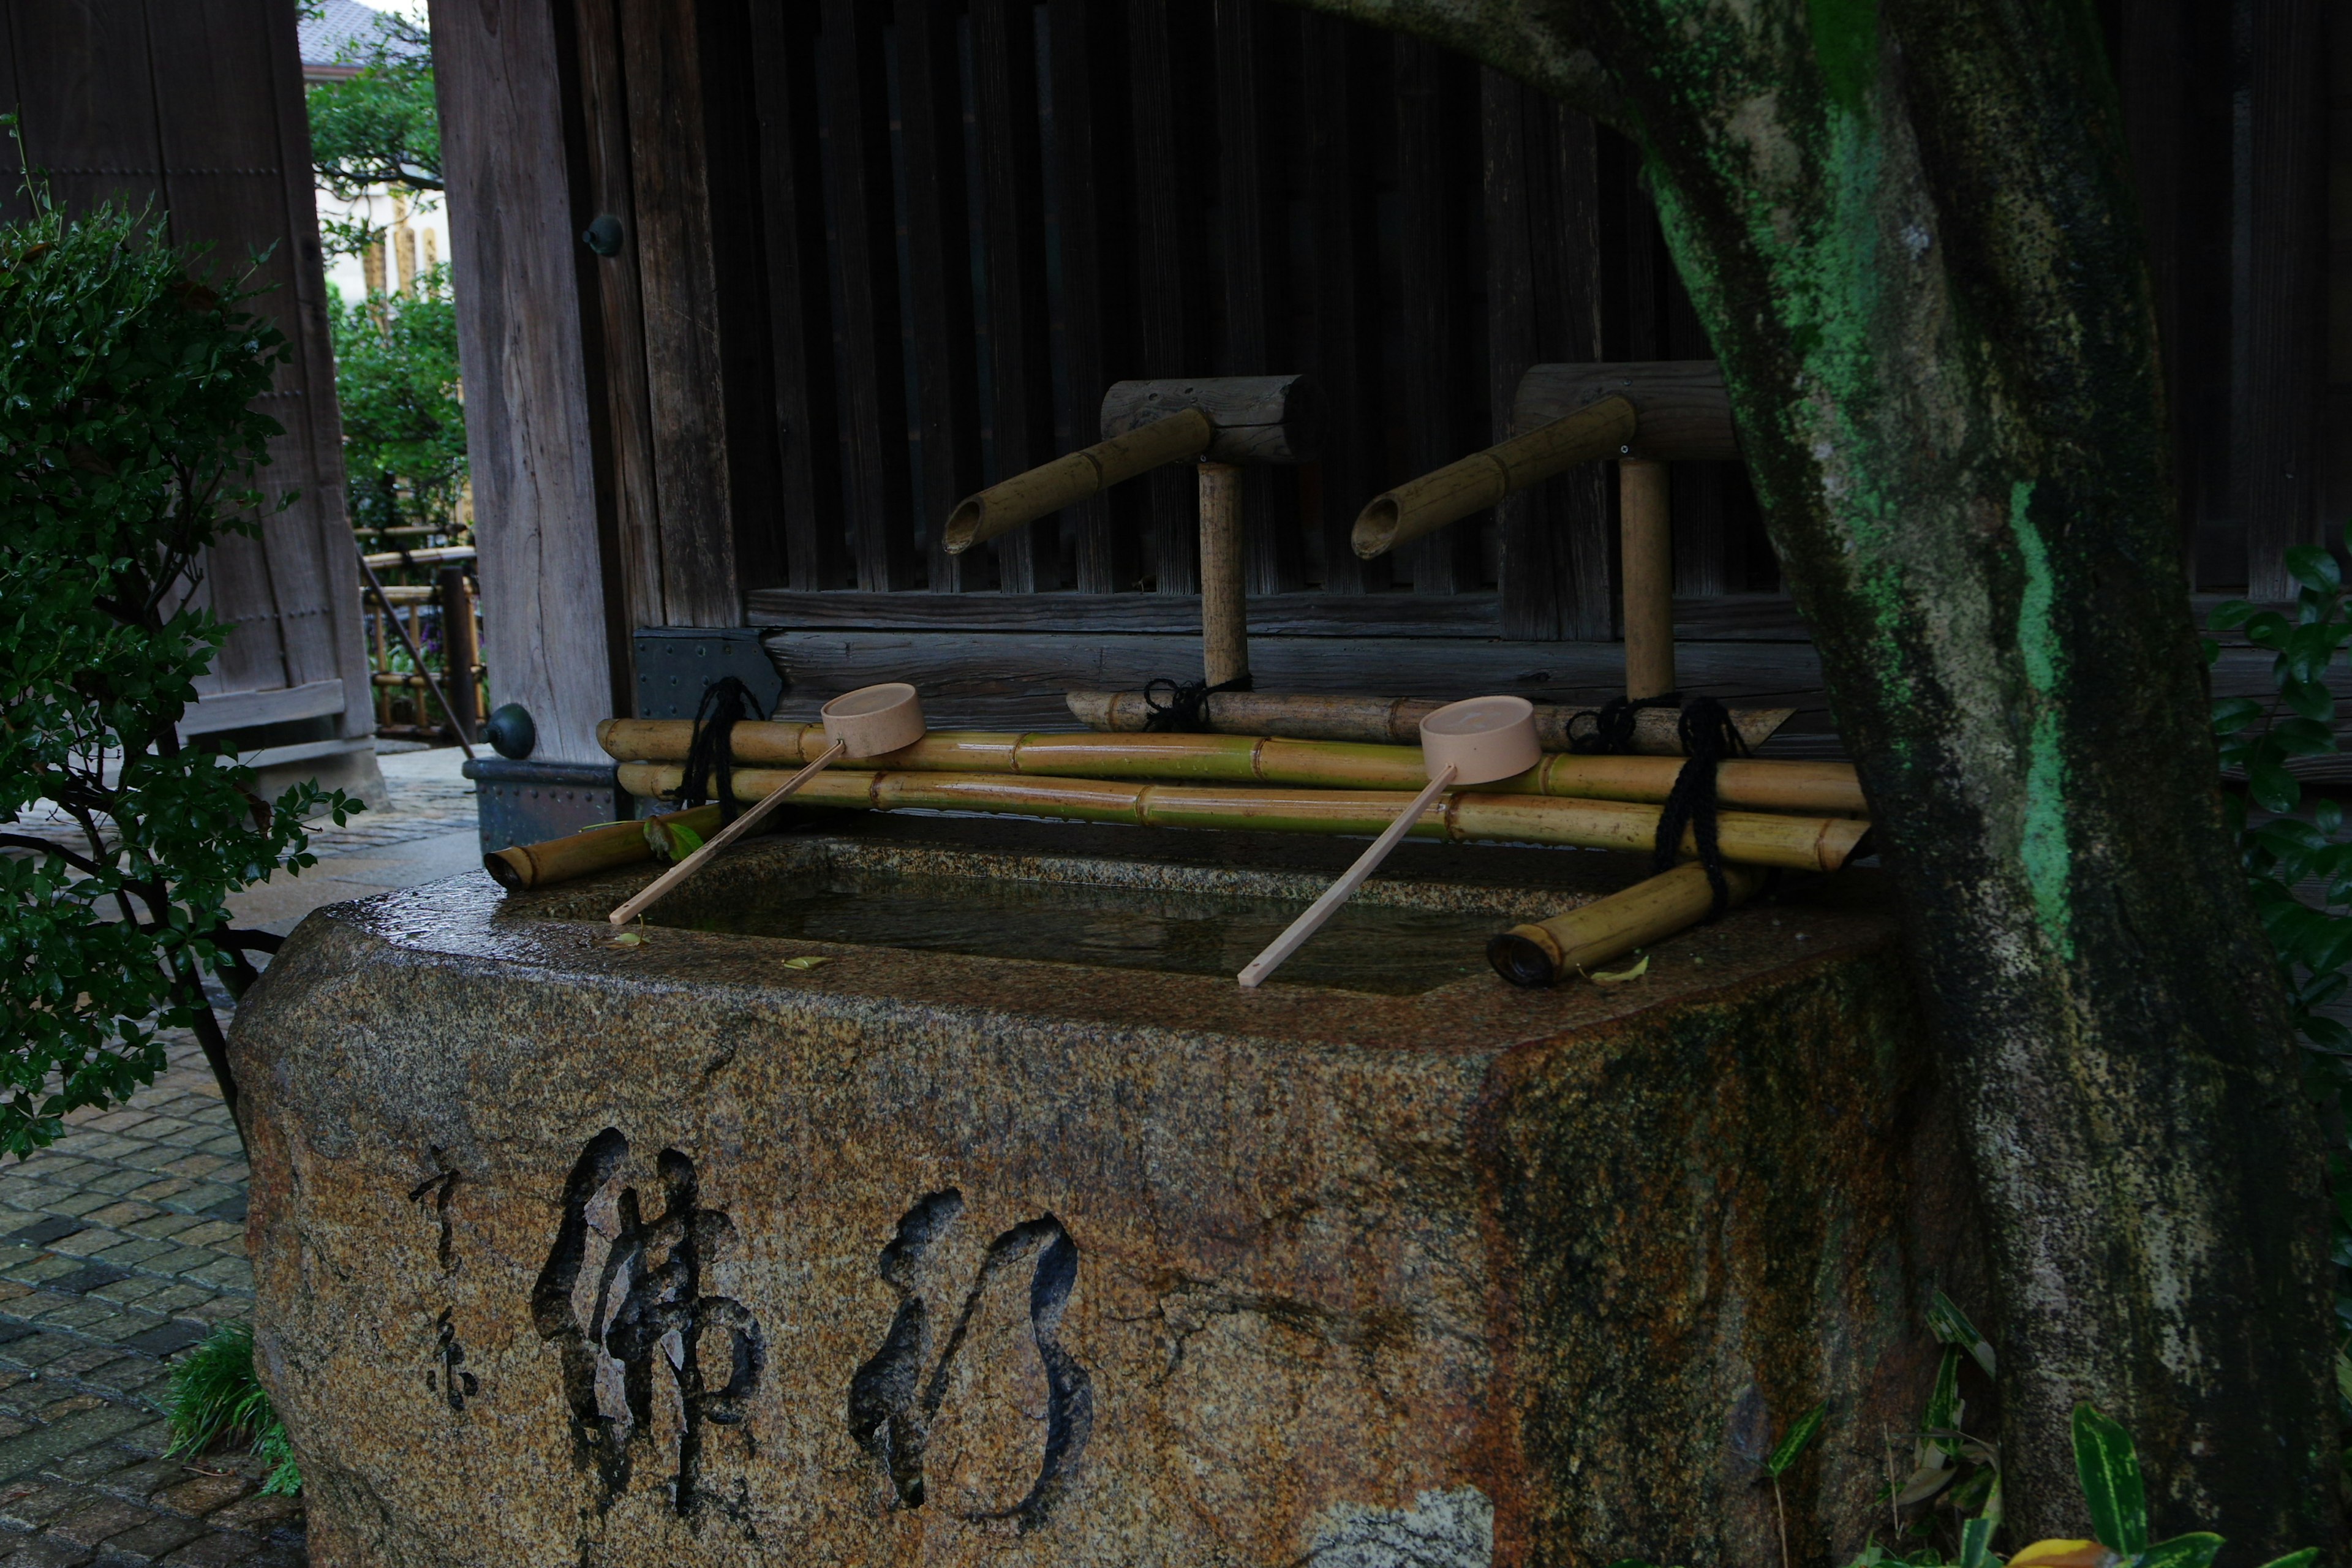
(1066, 481)
(1426, 504)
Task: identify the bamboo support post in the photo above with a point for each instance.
(1801, 843)
(607, 848)
(1743, 783)
(1648, 555)
(1479, 480)
(1389, 719)
(458, 652)
(1225, 598)
(1545, 951)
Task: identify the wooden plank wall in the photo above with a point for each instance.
(547, 621)
(195, 107)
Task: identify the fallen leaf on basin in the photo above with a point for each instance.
(1619, 976)
(806, 961)
(628, 939)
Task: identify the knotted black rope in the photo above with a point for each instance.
(1612, 734)
(1708, 735)
(1186, 711)
(711, 751)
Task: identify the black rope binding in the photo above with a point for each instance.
(711, 751)
(1612, 734)
(1708, 735)
(1186, 711)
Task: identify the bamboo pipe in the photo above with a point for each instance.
(1542, 953)
(1742, 784)
(1802, 843)
(1646, 532)
(1066, 481)
(1477, 481)
(1224, 599)
(1395, 720)
(525, 866)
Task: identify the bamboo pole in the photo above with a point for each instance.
(1646, 530)
(1547, 950)
(1224, 597)
(1066, 481)
(1804, 843)
(577, 855)
(1397, 720)
(1745, 783)
(1477, 481)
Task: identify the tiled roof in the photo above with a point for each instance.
(341, 30)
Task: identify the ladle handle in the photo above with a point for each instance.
(722, 839)
(1340, 892)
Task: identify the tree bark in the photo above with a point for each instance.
(1909, 229)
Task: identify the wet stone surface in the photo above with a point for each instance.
(575, 1253)
(121, 1245)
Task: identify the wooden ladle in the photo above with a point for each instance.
(1469, 742)
(866, 722)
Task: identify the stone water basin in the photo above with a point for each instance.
(1016, 1232)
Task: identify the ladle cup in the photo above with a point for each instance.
(1470, 742)
(866, 722)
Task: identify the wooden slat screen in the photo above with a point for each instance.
(979, 213)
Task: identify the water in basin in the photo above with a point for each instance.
(1366, 947)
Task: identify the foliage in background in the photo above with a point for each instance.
(2298, 859)
(215, 1396)
(404, 417)
(377, 129)
(1966, 1514)
(129, 442)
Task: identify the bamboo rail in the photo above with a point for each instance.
(1304, 716)
(1544, 951)
(1825, 788)
(1066, 481)
(1803, 842)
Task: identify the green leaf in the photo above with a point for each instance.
(2229, 614)
(684, 840)
(1943, 1414)
(2309, 700)
(2231, 714)
(1806, 1428)
(2272, 787)
(2109, 1471)
(2302, 1558)
(1951, 1326)
(1976, 1543)
(2313, 567)
(1619, 976)
(2181, 1551)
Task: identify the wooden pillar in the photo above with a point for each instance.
(458, 654)
(1649, 567)
(1225, 598)
(518, 319)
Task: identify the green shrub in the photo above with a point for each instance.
(403, 421)
(215, 1397)
(128, 443)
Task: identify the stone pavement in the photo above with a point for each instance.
(121, 1245)
(124, 1242)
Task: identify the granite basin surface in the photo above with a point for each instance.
(577, 1252)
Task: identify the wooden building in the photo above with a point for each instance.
(866, 256)
(195, 108)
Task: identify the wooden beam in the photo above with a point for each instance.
(866, 296)
(619, 308)
(800, 304)
(1345, 358)
(2284, 246)
(1167, 264)
(678, 263)
(1004, 72)
(1431, 210)
(511, 235)
(938, 265)
(1087, 47)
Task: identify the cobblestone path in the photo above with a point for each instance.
(121, 1245)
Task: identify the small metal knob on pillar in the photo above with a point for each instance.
(1223, 422)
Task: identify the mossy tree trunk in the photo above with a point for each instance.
(1909, 230)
